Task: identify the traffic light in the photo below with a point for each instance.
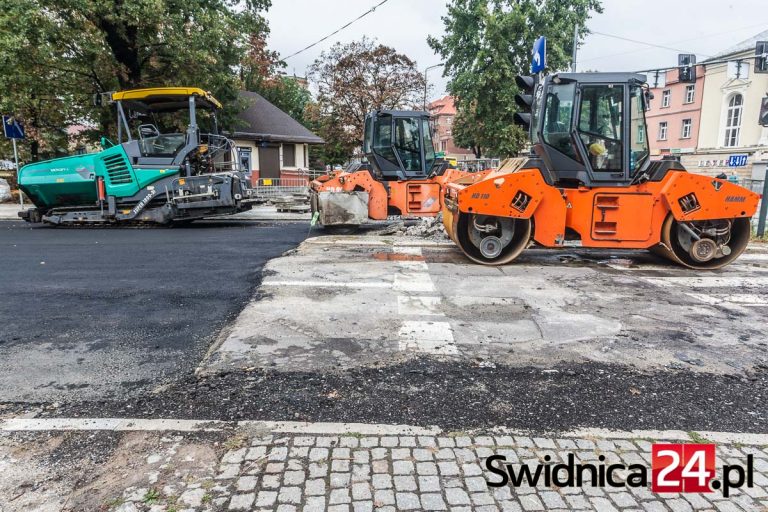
(761, 57)
(764, 112)
(686, 67)
(524, 100)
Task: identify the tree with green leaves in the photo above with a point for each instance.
(355, 78)
(55, 54)
(485, 45)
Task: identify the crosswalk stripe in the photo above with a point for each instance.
(418, 305)
(428, 337)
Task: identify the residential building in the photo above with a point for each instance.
(270, 143)
(674, 113)
(731, 100)
(443, 112)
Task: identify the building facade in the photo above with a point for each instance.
(674, 113)
(270, 143)
(730, 130)
(443, 113)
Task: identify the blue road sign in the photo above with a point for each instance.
(539, 61)
(737, 160)
(12, 128)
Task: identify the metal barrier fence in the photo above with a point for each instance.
(270, 188)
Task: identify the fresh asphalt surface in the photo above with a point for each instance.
(91, 320)
(88, 313)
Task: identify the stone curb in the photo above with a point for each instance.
(320, 428)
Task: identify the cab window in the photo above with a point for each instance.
(382, 138)
(558, 116)
(638, 149)
(408, 143)
(600, 125)
(429, 148)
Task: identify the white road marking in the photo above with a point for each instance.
(753, 256)
(331, 284)
(428, 337)
(709, 282)
(413, 282)
(413, 266)
(418, 305)
(405, 249)
(743, 299)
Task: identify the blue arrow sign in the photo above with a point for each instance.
(539, 61)
(12, 128)
(737, 160)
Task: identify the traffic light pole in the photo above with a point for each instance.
(763, 208)
(16, 159)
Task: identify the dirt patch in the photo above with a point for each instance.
(76, 471)
(396, 256)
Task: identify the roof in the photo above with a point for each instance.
(403, 113)
(746, 45)
(443, 106)
(165, 98)
(600, 78)
(261, 120)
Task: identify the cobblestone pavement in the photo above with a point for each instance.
(351, 472)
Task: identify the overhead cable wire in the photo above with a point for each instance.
(646, 43)
(366, 13)
(697, 38)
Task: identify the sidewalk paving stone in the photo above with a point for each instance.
(336, 474)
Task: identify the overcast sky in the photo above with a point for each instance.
(703, 27)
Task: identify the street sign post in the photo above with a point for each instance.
(14, 130)
(539, 61)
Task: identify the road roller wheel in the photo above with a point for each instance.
(709, 244)
(490, 240)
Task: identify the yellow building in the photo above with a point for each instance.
(733, 91)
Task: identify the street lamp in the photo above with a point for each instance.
(425, 81)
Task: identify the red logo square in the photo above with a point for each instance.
(682, 467)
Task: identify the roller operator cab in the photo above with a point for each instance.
(169, 164)
(590, 182)
(402, 177)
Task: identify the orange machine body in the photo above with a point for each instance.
(414, 197)
(631, 217)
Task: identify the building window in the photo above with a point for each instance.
(449, 121)
(640, 134)
(663, 130)
(686, 131)
(690, 93)
(289, 155)
(665, 98)
(244, 157)
(443, 146)
(733, 120)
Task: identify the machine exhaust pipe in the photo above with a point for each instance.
(704, 245)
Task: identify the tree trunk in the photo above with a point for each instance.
(122, 39)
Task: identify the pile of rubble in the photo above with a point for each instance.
(428, 227)
(425, 227)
